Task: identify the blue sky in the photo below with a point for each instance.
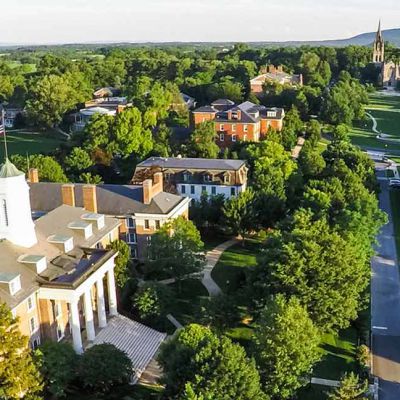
(66, 21)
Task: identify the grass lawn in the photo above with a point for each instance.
(188, 300)
(31, 143)
(394, 203)
(313, 392)
(386, 110)
(126, 392)
(338, 355)
(233, 262)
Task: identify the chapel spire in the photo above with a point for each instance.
(379, 46)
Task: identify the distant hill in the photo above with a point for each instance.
(364, 39)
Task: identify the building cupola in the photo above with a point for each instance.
(16, 224)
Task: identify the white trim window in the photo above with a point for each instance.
(35, 343)
(233, 127)
(221, 127)
(131, 238)
(245, 128)
(33, 326)
(130, 223)
(15, 285)
(221, 137)
(30, 302)
(233, 138)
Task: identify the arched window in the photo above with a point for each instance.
(5, 213)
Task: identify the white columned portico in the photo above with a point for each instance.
(112, 294)
(76, 327)
(89, 323)
(101, 308)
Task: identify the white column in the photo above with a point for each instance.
(90, 332)
(76, 327)
(101, 309)
(112, 294)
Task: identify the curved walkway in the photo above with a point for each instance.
(381, 136)
(212, 258)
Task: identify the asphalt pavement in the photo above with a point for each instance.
(385, 306)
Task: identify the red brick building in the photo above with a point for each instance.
(244, 122)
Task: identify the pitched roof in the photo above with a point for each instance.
(192, 163)
(54, 223)
(222, 102)
(111, 199)
(205, 109)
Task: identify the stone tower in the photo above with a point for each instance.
(379, 47)
(16, 224)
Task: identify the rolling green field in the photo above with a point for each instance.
(28, 142)
(386, 110)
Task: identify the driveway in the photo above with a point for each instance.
(385, 307)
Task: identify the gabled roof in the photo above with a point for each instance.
(115, 200)
(205, 109)
(203, 164)
(222, 102)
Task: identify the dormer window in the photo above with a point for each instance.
(271, 114)
(39, 262)
(93, 217)
(227, 178)
(67, 242)
(186, 176)
(208, 178)
(82, 226)
(13, 281)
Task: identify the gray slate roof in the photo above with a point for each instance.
(192, 163)
(115, 200)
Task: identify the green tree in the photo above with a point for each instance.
(240, 213)
(162, 140)
(58, 363)
(350, 389)
(49, 169)
(213, 366)
(202, 142)
(103, 366)
(19, 376)
(176, 249)
(286, 346)
(78, 160)
(49, 99)
(121, 270)
(152, 300)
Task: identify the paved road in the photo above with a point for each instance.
(385, 307)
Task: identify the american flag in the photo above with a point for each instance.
(2, 126)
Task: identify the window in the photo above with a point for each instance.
(204, 189)
(221, 127)
(158, 224)
(167, 177)
(221, 137)
(183, 189)
(271, 114)
(57, 309)
(146, 224)
(227, 178)
(33, 325)
(31, 303)
(35, 343)
(15, 285)
(5, 212)
(186, 177)
(131, 238)
(207, 178)
(213, 190)
(233, 127)
(110, 237)
(133, 252)
(130, 223)
(245, 128)
(192, 189)
(233, 138)
(233, 191)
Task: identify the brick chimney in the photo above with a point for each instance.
(68, 194)
(151, 187)
(90, 198)
(33, 175)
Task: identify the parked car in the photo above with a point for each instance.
(394, 183)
